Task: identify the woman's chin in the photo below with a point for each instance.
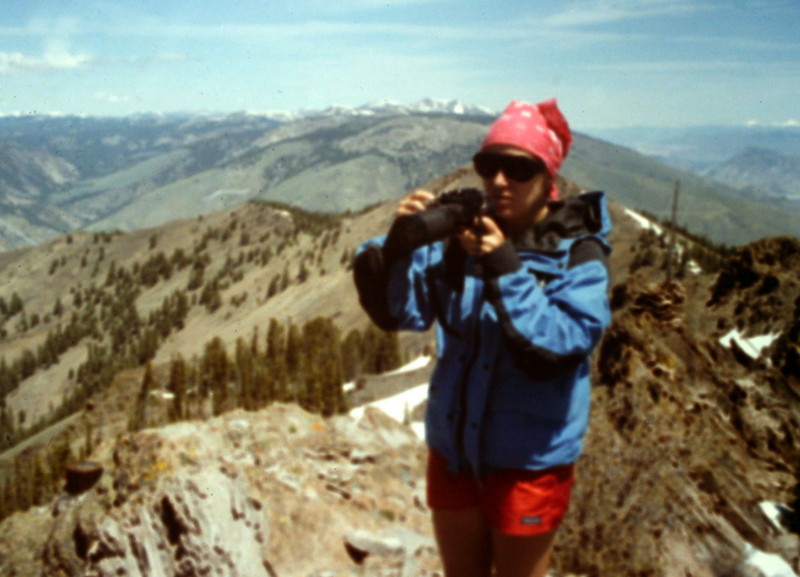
(501, 210)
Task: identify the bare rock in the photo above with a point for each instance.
(190, 523)
(395, 541)
(262, 493)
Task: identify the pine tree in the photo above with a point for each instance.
(294, 354)
(5, 497)
(245, 369)
(193, 384)
(216, 373)
(211, 296)
(179, 310)
(26, 364)
(389, 355)
(7, 433)
(284, 282)
(15, 305)
(148, 346)
(254, 342)
(177, 386)
(352, 354)
(302, 274)
(264, 386)
(277, 358)
(7, 383)
(274, 286)
(58, 308)
(381, 350)
(324, 374)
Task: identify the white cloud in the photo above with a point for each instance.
(579, 14)
(110, 98)
(16, 62)
(791, 123)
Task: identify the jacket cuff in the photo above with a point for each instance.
(500, 261)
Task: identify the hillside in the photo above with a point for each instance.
(760, 162)
(26, 177)
(699, 147)
(761, 172)
(717, 211)
(47, 162)
(329, 164)
(128, 174)
(693, 429)
(78, 309)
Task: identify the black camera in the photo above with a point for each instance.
(451, 211)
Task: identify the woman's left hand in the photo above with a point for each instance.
(490, 238)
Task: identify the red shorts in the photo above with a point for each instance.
(515, 501)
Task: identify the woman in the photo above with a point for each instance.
(520, 302)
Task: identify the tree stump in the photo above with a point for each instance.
(82, 476)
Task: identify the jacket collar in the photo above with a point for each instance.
(580, 215)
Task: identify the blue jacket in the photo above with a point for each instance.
(515, 329)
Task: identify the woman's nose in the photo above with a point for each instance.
(500, 179)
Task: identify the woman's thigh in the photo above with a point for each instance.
(465, 542)
(522, 556)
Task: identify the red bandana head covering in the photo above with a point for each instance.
(539, 129)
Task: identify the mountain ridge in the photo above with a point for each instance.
(760, 162)
(761, 172)
(330, 161)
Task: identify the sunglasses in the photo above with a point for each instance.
(517, 168)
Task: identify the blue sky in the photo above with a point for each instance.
(609, 63)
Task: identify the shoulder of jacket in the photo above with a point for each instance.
(584, 213)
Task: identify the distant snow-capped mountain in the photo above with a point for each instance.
(451, 107)
(424, 106)
(431, 106)
(378, 107)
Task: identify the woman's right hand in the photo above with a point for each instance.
(416, 201)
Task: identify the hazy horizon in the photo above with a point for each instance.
(610, 64)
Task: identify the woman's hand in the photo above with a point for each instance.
(416, 201)
(490, 238)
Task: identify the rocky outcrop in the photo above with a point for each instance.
(758, 281)
(198, 523)
(759, 292)
(683, 446)
(275, 493)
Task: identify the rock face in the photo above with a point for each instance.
(684, 444)
(203, 523)
(759, 290)
(277, 492)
